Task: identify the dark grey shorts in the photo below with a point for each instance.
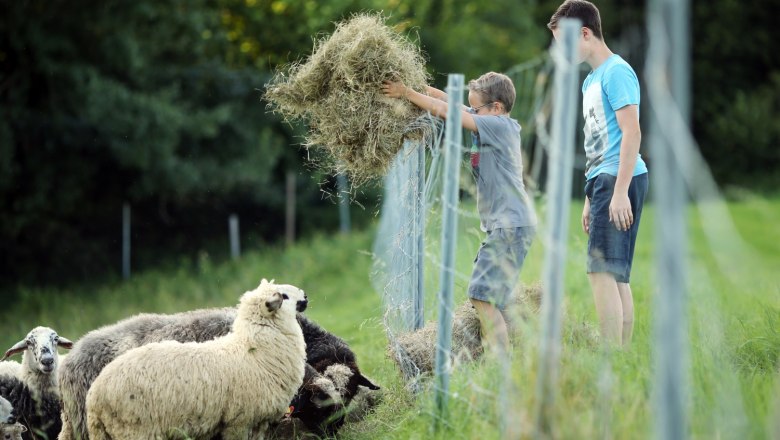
(610, 249)
(498, 264)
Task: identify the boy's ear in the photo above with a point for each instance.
(587, 33)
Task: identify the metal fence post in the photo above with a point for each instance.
(452, 158)
(126, 240)
(419, 230)
(559, 198)
(343, 190)
(235, 244)
(668, 58)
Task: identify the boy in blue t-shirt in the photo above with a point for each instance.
(616, 174)
(505, 210)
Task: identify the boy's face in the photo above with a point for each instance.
(482, 108)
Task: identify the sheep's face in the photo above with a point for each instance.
(294, 295)
(269, 299)
(12, 431)
(319, 406)
(347, 378)
(40, 348)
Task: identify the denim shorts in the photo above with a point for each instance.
(498, 263)
(610, 249)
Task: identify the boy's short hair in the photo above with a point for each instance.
(586, 11)
(495, 87)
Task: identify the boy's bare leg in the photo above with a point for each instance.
(494, 330)
(608, 306)
(627, 300)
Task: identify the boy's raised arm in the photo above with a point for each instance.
(436, 93)
(436, 106)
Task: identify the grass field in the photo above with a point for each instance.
(734, 327)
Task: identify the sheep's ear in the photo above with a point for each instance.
(362, 380)
(263, 281)
(64, 342)
(16, 349)
(274, 303)
(24, 428)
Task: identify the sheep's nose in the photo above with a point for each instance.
(47, 361)
(301, 305)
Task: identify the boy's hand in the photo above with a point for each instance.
(586, 216)
(393, 89)
(620, 212)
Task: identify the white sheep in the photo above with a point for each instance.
(32, 386)
(232, 386)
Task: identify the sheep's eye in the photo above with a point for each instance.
(284, 296)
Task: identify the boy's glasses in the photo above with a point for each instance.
(476, 109)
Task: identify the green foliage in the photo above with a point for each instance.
(748, 132)
(736, 88)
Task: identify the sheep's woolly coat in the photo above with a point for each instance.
(10, 369)
(232, 386)
(38, 411)
(98, 348)
(6, 411)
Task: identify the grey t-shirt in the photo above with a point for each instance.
(497, 163)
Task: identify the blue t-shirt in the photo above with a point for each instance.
(612, 86)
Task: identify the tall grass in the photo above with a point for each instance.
(734, 329)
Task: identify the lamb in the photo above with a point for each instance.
(97, 348)
(12, 431)
(331, 356)
(32, 386)
(237, 384)
(318, 410)
(317, 404)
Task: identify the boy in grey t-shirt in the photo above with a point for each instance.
(505, 210)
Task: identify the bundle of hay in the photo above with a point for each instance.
(337, 91)
(415, 352)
